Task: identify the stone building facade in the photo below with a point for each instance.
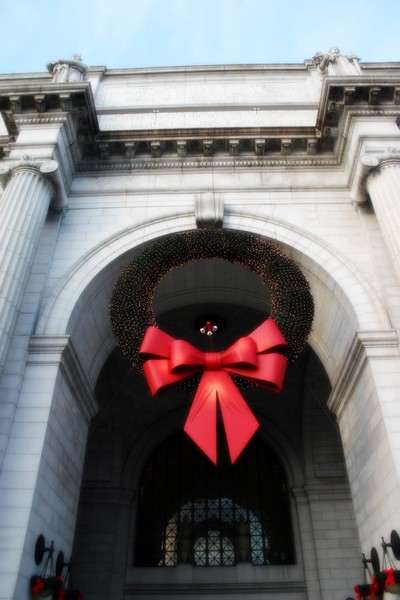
(98, 165)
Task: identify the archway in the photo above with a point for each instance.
(302, 407)
(80, 307)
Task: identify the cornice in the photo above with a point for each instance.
(200, 163)
(59, 351)
(366, 345)
(209, 69)
(39, 102)
(342, 100)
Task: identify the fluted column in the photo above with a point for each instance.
(23, 209)
(383, 186)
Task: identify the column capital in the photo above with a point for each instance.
(370, 165)
(390, 156)
(366, 163)
(389, 161)
(48, 169)
(26, 162)
(374, 165)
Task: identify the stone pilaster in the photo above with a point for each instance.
(307, 544)
(383, 186)
(23, 209)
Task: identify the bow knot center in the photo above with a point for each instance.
(213, 361)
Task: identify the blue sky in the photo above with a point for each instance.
(147, 33)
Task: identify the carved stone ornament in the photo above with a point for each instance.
(64, 71)
(209, 210)
(334, 62)
(322, 60)
(47, 168)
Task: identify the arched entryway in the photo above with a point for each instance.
(81, 307)
(131, 425)
(129, 431)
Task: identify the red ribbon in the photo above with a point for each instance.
(38, 586)
(256, 358)
(376, 587)
(357, 591)
(390, 580)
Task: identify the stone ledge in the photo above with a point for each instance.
(216, 588)
(59, 351)
(366, 345)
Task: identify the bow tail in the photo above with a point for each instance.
(201, 424)
(239, 422)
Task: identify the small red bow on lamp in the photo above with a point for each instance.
(256, 358)
(38, 586)
(390, 580)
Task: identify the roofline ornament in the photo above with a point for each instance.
(64, 71)
(334, 62)
(322, 60)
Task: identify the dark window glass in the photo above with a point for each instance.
(195, 512)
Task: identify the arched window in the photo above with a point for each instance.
(192, 511)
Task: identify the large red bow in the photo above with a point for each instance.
(256, 357)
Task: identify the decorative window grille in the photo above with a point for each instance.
(193, 511)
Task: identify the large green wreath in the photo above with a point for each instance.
(131, 309)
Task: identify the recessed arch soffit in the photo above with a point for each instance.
(79, 305)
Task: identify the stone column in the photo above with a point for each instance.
(23, 209)
(383, 186)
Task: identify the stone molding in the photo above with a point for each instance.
(320, 491)
(379, 345)
(202, 163)
(59, 351)
(274, 587)
(342, 99)
(327, 492)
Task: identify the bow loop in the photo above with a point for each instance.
(268, 336)
(155, 344)
(184, 357)
(242, 353)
